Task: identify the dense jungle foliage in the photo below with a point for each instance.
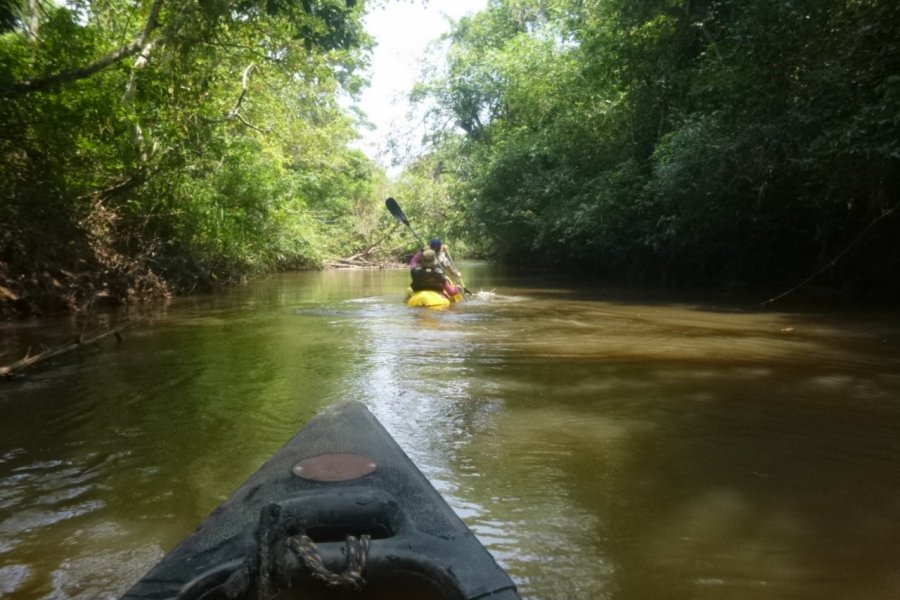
(152, 146)
(682, 141)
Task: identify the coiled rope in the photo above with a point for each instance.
(351, 577)
(282, 558)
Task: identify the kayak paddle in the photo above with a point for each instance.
(462, 283)
(400, 216)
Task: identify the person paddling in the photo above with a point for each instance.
(428, 275)
(442, 251)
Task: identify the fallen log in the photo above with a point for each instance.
(373, 257)
(78, 343)
(344, 263)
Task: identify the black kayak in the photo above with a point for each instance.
(340, 512)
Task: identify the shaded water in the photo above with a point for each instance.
(600, 445)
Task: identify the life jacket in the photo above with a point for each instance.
(427, 278)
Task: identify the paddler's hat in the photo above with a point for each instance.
(429, 259)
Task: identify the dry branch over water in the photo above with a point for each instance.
(79, 343)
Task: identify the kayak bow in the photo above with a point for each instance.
(339, 512)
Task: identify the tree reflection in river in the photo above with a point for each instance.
(601, 446)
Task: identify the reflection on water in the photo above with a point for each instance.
(600, 445)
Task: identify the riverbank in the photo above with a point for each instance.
(41, 289)
(45, 289)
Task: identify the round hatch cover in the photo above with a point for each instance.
(335, 466)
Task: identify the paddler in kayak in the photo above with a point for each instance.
(442, 251)
(428, 275)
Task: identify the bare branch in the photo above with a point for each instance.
(53, 81)
(885, 213)
(235, 112)
(79, 343)
(252, 126)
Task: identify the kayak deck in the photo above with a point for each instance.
(343, 493)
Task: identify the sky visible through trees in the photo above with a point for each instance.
(402, 32)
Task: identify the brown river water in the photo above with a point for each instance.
(601, 443)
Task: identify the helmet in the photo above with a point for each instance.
(435, 244)
(429, 259)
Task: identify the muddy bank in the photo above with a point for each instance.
(48, 289)
(40, 288)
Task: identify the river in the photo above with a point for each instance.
(602, 443)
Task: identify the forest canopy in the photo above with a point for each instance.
(681, 141)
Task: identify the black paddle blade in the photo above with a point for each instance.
(396, 210)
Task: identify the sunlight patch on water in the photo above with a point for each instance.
(28, 520)
(368, 300)
(109, 568)
(12, 577)
(526, 513)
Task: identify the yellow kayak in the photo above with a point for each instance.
(430, 299)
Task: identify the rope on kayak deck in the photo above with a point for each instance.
(357, 551)
(280, 558)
